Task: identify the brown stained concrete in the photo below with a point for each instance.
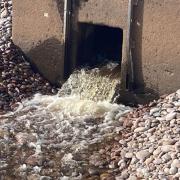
(38, 31)
(157, 45)
(156, 36)
(106, 12)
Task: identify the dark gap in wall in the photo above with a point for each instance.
(98, 44)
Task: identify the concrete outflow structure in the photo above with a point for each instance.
(61, 35)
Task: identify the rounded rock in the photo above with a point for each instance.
(143, 154)
(176, 163)
(170, 116)
(173, 170)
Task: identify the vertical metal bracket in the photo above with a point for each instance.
(129, 57)
(67, 26)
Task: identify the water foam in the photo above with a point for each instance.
(71, 122)
(98, 84)
(71, 106)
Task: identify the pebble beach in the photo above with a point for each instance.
(121, 143)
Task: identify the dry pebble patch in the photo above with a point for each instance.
(152, 149)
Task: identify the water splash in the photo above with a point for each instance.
(79, 116)
(98, 84)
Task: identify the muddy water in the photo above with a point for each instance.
(98, 84)
(79, 116)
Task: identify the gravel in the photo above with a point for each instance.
(152, 149)
(147, 146)
(5, 24)
(18, 80)
(153, 152)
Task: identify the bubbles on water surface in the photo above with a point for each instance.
(98, 84)
(72, 122)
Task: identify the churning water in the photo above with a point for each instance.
(98, 84)
(81, 114)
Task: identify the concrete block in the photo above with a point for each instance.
(38, 31)
(157, 44)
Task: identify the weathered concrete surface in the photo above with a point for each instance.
(38, 31)
(157, 45)
(112, 13)
(156, 35)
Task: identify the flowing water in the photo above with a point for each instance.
(79, 116)
(98, 84)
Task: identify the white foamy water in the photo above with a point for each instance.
(69, 123)
(72, 106)
(98, 84)
(76, 122)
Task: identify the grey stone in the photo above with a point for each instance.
(168, 148)
(154, 110)
(129, 155)
(173, 170)
(170, 116)
(142, 155)
(140, 129)
(176, 163)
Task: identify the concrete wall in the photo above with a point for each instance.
(157, 45)
(38, 31)
(112, 13)
(156, 36)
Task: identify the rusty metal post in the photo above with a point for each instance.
(127, 73)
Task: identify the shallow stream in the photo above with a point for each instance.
(79, 116)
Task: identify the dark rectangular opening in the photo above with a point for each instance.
(98, 44)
